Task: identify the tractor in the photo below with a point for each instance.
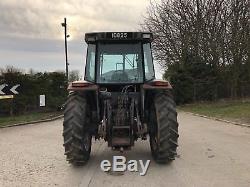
(120, 100)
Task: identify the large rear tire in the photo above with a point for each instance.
(77, 139)
(164, 128)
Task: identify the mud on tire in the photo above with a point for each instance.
(77, 139)
(164, 128)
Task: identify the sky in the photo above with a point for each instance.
(31, 35)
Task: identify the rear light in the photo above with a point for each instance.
(160, 83)
(81, 84)
(157, 84)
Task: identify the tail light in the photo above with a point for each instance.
(157, 84)
(160, 83)
(81, 84)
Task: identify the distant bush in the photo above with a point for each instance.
(53, 85)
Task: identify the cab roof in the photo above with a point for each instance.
(118, 36)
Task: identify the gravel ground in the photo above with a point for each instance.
(211, 153)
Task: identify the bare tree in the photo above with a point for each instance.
(215, 32)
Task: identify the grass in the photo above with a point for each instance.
(236, 110)
(4, 121)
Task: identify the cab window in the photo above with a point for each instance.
(90, 66)
(148, 62)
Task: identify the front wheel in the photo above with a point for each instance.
(164, 128)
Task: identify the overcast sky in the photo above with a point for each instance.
(31, 35)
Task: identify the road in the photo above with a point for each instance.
(211, 153)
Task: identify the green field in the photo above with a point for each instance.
(27, 118)
(236, 110)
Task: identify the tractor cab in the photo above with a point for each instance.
(119, 58)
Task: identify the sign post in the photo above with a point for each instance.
(6, 89)
(8, 92)
(6, 97)
(42, 100)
